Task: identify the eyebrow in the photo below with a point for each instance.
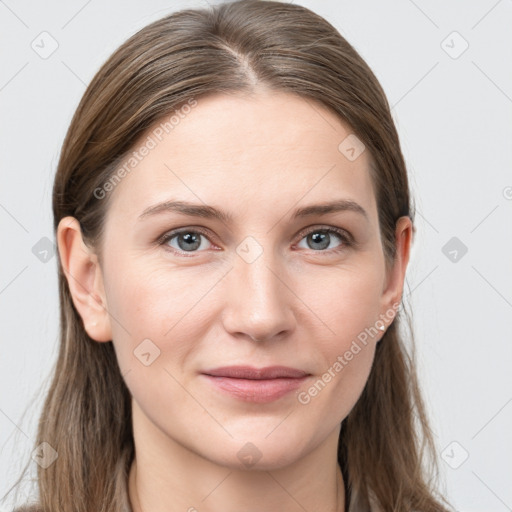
(209, 212)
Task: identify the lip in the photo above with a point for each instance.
(250, 372)
(260, 385)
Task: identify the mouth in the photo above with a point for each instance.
(258, 385)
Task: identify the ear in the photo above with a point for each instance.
(392, 293)
(85, 281)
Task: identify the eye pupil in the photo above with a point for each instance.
(192, 241)
(322, 238)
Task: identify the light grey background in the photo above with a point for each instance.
(453, 112)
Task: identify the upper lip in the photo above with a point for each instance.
(249, 372)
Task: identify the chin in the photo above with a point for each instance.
(257, 453)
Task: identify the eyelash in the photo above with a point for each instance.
(346, 239)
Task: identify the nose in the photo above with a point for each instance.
(259, 301)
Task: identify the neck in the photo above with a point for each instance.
(253, 494)
(167, 476)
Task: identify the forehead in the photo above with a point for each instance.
(233, 152)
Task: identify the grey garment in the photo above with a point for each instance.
(356, 504)
(125, 500)
(360, 504)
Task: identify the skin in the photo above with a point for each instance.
(298, 304)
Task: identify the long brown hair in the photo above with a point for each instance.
(385, 442)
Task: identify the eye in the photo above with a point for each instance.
(185, 240)
(320, 238)
(191, 240)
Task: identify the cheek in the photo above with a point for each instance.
(347, 359)
(165, 306)
(345, 300)
(157, 316)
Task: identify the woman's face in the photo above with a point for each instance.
(252, 280)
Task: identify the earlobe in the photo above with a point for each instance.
(85, 280)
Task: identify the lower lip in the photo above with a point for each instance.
(259, 391)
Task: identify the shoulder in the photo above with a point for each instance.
(28, 508)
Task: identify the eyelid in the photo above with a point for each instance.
(173, 232)
(342, 233)
(347, 239)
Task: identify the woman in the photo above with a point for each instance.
(234, 225)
